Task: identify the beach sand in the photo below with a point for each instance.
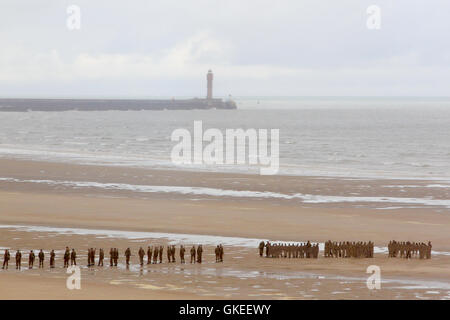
(243, 274)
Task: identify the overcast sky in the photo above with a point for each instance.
(148, 48)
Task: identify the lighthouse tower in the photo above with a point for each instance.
(209, 86)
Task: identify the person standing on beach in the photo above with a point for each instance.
(169, 254)
(173, 251)
(73, 258)
(149, 255)
(18, 259)
(111, 257)
(182, 250)
(199, 253)
(220, 253)
(89, 257)
(66, 257)
(161, 248)
(31, 258)
(52, 259)
(93, 256)
(101, 256)
(41, 257)
(308, 249)
(261, 248)
(116, 256)
(421, 252)
(316, 251)
(267, 249)
(193, 254)
(127, 256)
(155, 254)
(141, 254)
(217, 252)
(6, 257)
(408, 250)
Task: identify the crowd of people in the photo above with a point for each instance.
(343, 249)
(347, 249)
(284, 250)
(154, 255)
(408, 249)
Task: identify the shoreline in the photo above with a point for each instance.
(125, 162)
(13, 168)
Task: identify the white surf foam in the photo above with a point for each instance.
(445, 186)
(134, 235)
(216, 192)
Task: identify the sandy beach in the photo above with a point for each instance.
(137, 218)
(307, 142)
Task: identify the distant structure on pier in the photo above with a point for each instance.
(23, 105)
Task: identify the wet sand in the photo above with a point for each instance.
(243, 274)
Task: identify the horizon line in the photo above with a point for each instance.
(142, 97)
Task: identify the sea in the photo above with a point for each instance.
(370, 137)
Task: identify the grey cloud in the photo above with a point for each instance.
(145, 48)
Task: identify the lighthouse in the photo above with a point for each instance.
(209, 86)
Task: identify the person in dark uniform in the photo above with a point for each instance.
(101, 256)
(155, 254)
(141, 254)
(308, 249)
(18, 259)
(217, 253)
(182, 250)
(111, 257)
(199, 253)
(161, 249)
(127, 256)
(220, 253)
(89, 258)
(41, 257)
(169, 254)
(261, 248)
(173, 252)
(52, 259)
(116, 257)
(93, 257)
(193, 251)
(408, 250)
(73, 258)
(267, 249)
(6, 257)
(31, 258)
(149, 255)
(66, 257)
